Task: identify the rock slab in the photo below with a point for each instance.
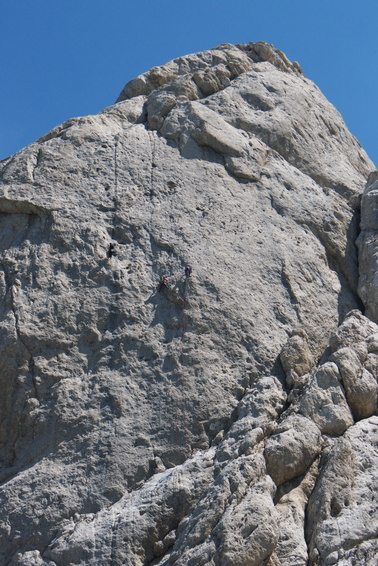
(152, 417)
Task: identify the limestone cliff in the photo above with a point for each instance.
(226, 417)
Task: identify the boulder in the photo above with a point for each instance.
(291, 448)
(342, 523)
(324, 401)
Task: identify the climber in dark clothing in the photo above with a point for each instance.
(163, 283)
(188, 271)
(111, 250)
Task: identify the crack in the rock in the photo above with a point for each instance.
(10, 292)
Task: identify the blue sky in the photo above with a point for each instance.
(65, 58)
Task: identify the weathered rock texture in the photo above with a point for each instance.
(191, 423)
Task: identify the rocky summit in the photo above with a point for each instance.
(188, 324)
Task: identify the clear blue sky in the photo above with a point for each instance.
(65, 58)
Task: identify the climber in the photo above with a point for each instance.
(111, 250)
(163, 283)
(188, 271)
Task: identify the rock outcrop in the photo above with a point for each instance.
(367, 243)
(224, 418)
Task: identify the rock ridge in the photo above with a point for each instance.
(209, 70)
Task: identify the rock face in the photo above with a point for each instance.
(367, 243)
(224, 418)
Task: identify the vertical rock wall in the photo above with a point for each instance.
(223, 418)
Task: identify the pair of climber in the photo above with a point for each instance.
(164, 281)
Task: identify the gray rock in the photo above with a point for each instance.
(257, 413)
(135, 416)
(292, 448)
(249, 530)
(205, 68)
(367, 245)
(360, 385)
(140, 526)
(365, 554)
(296, 357)
(30, 558)
(354, 344)
(357, 331)
(291, 505)
(234, 521)
(342, 509)
(210, 70)
(324, 401)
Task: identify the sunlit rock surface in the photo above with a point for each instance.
(222, 418)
